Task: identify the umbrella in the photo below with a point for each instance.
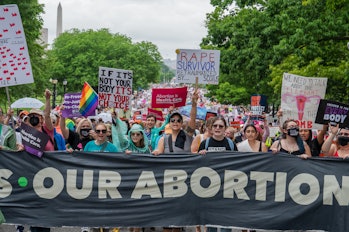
(106, 117)
(27, 102)
(201, 112)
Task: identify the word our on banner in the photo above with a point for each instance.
(164, 98)
(333, 112)
(203, 64)
(252, 190)
(14, 56)
(115, 88)
(300, 98)
(71, 105)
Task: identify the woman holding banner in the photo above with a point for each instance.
(291, 142)
(253, 141)
(340, 148)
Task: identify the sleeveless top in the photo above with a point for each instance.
(187, 144)
(244, 146)
(297, 152)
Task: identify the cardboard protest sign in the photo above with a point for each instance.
(158, 114)
(33, 140)
(332, 112)
(71, 105)
(203, 64)
(300, 98)
(115, 88)
(164, 98)
(14, 57)
(210, 115)
(258, 104)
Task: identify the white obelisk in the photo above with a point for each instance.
(59, 20)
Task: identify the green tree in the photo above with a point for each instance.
(76, 55)
(30, 11)
(257, 38)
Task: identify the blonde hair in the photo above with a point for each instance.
(78, 127)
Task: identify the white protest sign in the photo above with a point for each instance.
(300, 98)
(15, 67)
(203, 64)
(115, 88)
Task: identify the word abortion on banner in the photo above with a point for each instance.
(236, 188)
(203, 64)
(300, 98)
(166, 97)
(115, 88)
(332, 112)
(71, 105)
(33, 140)
(14, 56)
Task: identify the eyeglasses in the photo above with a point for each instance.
(218, 126)
(136, 134)
(343, 134)
(99, 131)
(174, 120)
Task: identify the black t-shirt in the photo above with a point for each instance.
(76, 142)
(216, 145)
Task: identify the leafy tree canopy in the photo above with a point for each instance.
(259, 40)
(76, 55)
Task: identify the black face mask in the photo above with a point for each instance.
(343, 140)
(34, 120)
(84, 132)
(294, 132)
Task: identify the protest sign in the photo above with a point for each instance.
(200, 112)
(201, 64)
(115, 88)
(71, 105)
(210, 115)
(158, 114)
(258, 104)
(300, 98)
(332, 112)
(33, 140)
(14, 57)
(164, 98)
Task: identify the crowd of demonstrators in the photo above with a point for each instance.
(175, 134)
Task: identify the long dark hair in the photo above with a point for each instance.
(299, 140)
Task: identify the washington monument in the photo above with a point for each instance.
(59, 20)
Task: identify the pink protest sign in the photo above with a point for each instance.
(164, 98)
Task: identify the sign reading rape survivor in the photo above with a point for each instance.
(300, 98)
(203, 64)
(252, 190)
(115, 88)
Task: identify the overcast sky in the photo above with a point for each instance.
(169, 24)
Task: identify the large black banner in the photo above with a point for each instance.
(253, 190)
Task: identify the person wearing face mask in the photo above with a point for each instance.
(291, 142)
(340, 148)
(81, 136)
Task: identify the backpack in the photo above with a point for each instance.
(231, 143)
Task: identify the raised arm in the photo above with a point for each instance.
(193, 112)
(328, 149)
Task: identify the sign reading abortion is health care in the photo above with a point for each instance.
(115, 88)
(333, 112)
(164, 98)
(203, 64)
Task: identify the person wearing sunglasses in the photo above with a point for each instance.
(101, 143)
(137, 140)
(340, 148)
(218, 142)
(179, 140)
